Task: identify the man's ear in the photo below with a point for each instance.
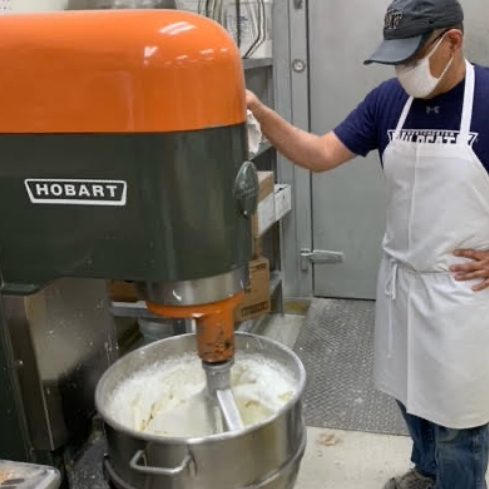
(456, 39)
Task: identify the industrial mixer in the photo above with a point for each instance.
(124, 150)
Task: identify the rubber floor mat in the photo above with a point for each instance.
(336, 347)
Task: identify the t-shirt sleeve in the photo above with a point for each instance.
(359, 131)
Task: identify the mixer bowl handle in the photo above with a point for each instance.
(140, 456)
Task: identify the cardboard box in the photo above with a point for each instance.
(123, 292)
(257, 297)
(283, 200)
(266, 182)
(264, 217)
(270, 210)
(256, 247)
(265, 214)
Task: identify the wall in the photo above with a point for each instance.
(31, 5)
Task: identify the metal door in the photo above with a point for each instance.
(348, 203)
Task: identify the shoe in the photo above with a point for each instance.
(411, 480)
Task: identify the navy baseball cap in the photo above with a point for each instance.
(409, 24)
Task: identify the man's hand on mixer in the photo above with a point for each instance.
(252, 101)
(309, 151)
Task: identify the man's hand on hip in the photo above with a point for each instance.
(477, 269)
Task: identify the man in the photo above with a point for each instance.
(430, 125)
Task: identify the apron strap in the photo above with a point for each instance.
(468, 106)
(402, 119)
(467, 109)
(391, 293)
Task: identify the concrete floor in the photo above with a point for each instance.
(340, 459)
(348, 460)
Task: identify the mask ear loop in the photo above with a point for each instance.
(432, 52)
(437, 45)
(413, 63)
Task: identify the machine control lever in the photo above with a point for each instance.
(246, 188)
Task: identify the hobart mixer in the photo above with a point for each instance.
(123, 145)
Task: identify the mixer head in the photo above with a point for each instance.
(124, 153)
(125, 146)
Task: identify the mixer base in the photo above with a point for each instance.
(286, 480)
(114, 481)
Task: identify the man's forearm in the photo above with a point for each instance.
(299, 146)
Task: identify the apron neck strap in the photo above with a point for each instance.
(468, 106)
(404, 114)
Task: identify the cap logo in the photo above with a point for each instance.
(392, 20)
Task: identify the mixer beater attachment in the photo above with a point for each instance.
(215, 345)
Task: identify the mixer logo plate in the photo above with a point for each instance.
(76, 192)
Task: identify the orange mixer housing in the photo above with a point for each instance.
(215, 326)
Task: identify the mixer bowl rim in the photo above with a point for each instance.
(195, 441)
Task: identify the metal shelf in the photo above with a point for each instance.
(254, 63)
(254, 324)
(132, 310)
(251, 325)
(272, 226)
(275, 282)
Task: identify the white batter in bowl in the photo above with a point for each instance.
(168, 399)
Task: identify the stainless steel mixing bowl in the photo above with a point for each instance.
(264, 456)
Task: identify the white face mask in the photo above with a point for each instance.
(417, 80)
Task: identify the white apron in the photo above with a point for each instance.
(432, 332)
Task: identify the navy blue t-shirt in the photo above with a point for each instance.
(368, 127)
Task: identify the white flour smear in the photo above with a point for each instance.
(169, 398)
